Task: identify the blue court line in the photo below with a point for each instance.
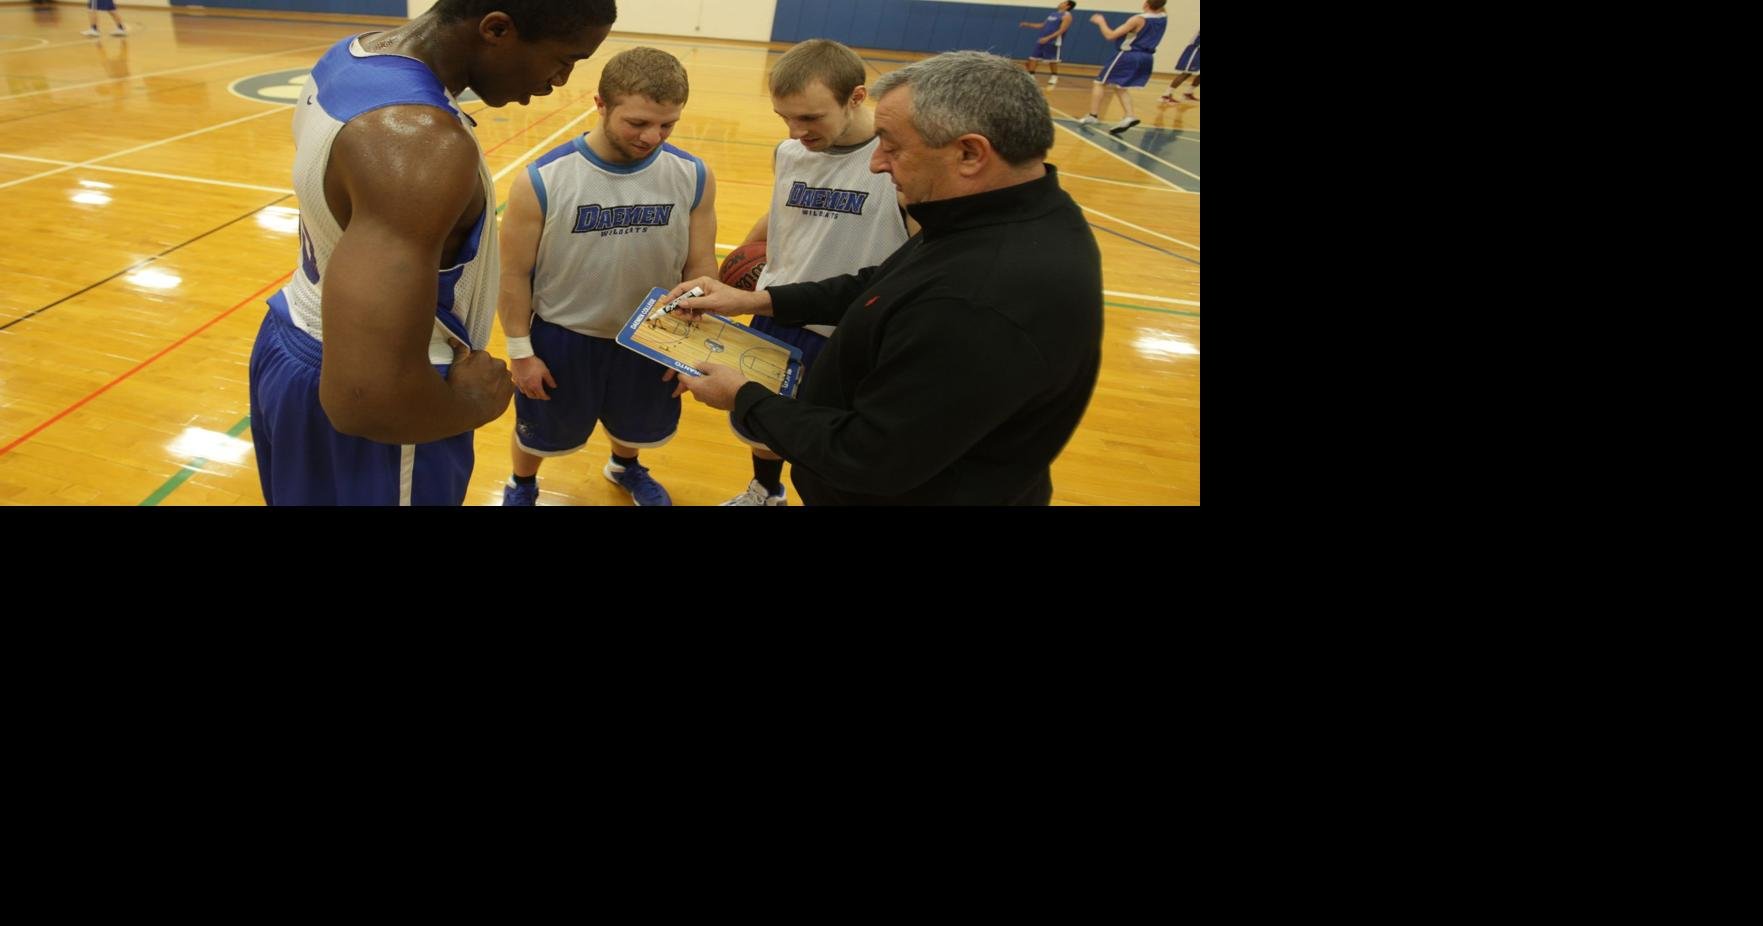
(1145, 243)
(1188, 158)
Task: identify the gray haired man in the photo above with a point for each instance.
(963, 363)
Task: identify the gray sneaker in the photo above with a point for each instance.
(1088, 120)
(756, 497)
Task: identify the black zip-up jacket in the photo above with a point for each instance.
(960, 366)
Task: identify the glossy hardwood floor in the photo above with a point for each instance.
(148, 214)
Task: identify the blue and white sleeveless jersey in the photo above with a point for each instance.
(349, 82)
(1149, 35)
(829, 216)
(611, 232)
(1051, 26)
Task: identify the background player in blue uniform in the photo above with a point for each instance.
(93, 8)
(1132, 65)
(1047, 42)
(1188, 65)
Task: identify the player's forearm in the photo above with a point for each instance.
(514, 306)
(759, 231)
(412, 405)
(377, 380)
(700, 268)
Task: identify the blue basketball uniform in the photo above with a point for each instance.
(301, 458)
(102, 6)
(311, 464)
(1189, 62)
(610, 233)
(597, 380)
(1132, 65)
(1049, 51)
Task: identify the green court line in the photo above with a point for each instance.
(1146, 308)
(190, 469)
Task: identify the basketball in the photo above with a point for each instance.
(741, 267)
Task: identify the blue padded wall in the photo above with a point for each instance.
(361, 7)
(919, 25)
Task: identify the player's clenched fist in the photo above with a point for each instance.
(482, 380)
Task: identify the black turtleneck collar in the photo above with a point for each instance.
(993, 207)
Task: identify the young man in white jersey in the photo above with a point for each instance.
(1056, 25)
(369, 374)
(1131, 67)
(829, 215)
(591, 227)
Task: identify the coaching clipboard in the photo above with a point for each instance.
(682, 345)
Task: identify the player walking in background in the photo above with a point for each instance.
(93, 8)
(1188, 65)
(1132, 65)
(1047, 43)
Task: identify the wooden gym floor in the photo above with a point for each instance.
(148, 215)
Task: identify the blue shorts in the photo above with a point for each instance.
(1189, 63)
(1047, 51)
(811, 343)
(1128, 69)
(102, 6)
(597, 380)
(302, 460)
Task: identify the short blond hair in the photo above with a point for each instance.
(822, 60)
(644, 71)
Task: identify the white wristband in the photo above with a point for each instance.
(520, 348)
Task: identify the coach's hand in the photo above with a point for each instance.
(719, 297)
(716, 388)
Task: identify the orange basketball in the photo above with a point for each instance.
(741, 267)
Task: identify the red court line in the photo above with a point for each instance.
(142, 365)
(210, 323)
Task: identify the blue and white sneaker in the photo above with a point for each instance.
(517, 495)
(635, 479)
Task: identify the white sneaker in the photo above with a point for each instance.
(756, 497)
(1088, 120)
(1123, 125)
(90, 33)
(1053, 82)
(119, 30)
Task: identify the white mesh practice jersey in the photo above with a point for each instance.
(612, 232)
(829, 216)
(346, 83)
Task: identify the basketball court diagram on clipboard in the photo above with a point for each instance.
(682, 345)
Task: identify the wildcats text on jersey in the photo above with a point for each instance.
(820, 199)
(595, 217)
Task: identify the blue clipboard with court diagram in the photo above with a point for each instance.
(681, 345)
